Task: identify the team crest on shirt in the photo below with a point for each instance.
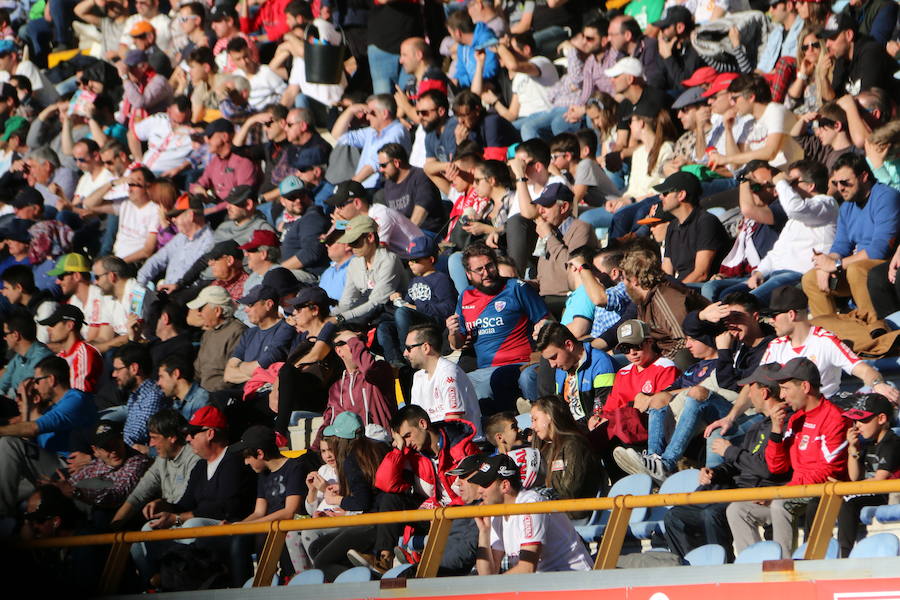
(702, 371)
(499, 305)
(804, 442)
(647, 388)
(450, 380)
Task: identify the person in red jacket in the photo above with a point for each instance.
(813, 442)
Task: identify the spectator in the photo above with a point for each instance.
(466, 36)
(225, 24)
(263, 253)
(176, 380)
(38, 444)
(226, 169)
(133, 372)
(502, 431)
(275, 152)
(439, 386)
(350, 200)
(266, 87)
(64, 335)
(20, 335)
(830, 134)
(604, 283)
(146, 91)
(422, 75)
(122, 296)
(264, 344)
(86, 153)
(168, 138)
(680, 60)
(784, 38)
(532, 543)
(334, 277)
(408, 190)
(470, 122)
(860, 63)
(193, 240)
(138, 217)
(227, 268)
(213, 311)
(20, 291)
(302, 250)
(627, 40)
(143, 37)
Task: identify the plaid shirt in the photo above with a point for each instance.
(617, 301)
(143, 403)
(124, 478)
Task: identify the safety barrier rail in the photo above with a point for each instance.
(831, 495)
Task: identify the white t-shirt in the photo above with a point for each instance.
(532, 91)
(394, 229)
(448, 392)
(92, 309)
(535, 192)
(561, 547)
(776, 119)
(135, 224)
(116, 311)
(824, 349)
(87, 185)
(161, 23)
(167, 148)
(265, 87)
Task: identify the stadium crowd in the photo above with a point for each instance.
(380, 231)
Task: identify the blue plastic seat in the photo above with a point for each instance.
(888, 513)
(709, 555)
(867, 514)
(398, 570)
(758, 552)
(354, 575)
(308, 577)
(249, 582)
(677, 483)
(634, 485)
(833, 551)
(876, 546)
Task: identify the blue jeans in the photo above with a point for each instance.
(735, 435)
(764, 292)
(528, 382)
(496, 387)
(713, 408)
(547, 124)
(716, 289)
(625, 219)
(391, 334)
(385, 70)
(597, 217)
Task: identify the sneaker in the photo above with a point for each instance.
(631, 462)
(360, 559)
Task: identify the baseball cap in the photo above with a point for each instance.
(869, 405)
(689, 97)
(661, 216)
(257, 437)
(261, 237)
(312, 294)
(291, 187)
(135, 57)
(553, 193)
(106, 433)
(282, 281)
(7, 46)
(358, 226)
(218, 126)
(702, 76)
(799, 368)
(186, 202)
(221, 12)
(141, 28)
(70, 263)
(16, 230)
(680, 181)
(345, 192)
(632, 332)
(467, 465)
(12, 125)
(835, 24)
(345, 426)
(225, 248)
(211, 294)
(260, 292)
(422, 246)
(721, 82)
(530, 464)
(239, 195)
(305, 159)
(499, 466)
(207, 417)
(626, 66)
(785, 298)
(676, 14)
(763, 375)
(64, 312)
(28, 196)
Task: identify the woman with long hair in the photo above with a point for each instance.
(572, 468)
(164, 194)
(656, 134)
(803, 94)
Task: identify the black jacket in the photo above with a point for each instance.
(745, 465)
(229, 495)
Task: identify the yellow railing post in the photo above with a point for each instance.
(614, 535)
(115, 565)
(269, 557)
(434, 549)
(823, 524)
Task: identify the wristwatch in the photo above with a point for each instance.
(178, 521)
(838, 264)
(522, 179)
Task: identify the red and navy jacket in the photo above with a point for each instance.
(814, 445)
(407, 470)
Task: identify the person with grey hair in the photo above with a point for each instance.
(384, 128)
(213, 311)
(41, 170)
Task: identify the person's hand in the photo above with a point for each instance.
(719, 446)
(715, 159)
(577, 261)
(714, 313)
(122, 68)
(480, 56)
(778, 416)
(453, 324)
(517, 166)
(755, 280)
(824, 63)
(853, 438)
(493, 240)
(734, 36)
(665, 46)
(876, 153)
(537, 329)
(395, 296)
(77, 461)
(61, 483)
(332, 495)
(723, 425)
(397, 441)
(724, 340)
(705, 477)
(824, 262)
(134, 325)
(142, 448)
(461, 132)
(642, 402)
(822, 280)
(489, 97)
(614, 204)
(542, 228)
(451, 172)
(477, 228)
(151, 509)
(892, 268)
(892, 48)
(594, 422)
(167, 287)
(483, 523)
(574, 114)
(163, 520)
(888, 391)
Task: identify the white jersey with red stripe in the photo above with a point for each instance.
(823, 348)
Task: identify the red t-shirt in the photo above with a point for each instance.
(630, 382)
(85, 366)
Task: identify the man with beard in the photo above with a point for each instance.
(138, 216)
(679, 58)
(124, 296)
(433, 108)
(860, 63)
(132, 370)
(867, 225)
(304, 222)
(275, 152)
(408, 190)
(497, 316)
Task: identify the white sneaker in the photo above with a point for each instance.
(632, 462)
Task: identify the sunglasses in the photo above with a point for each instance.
(383, 165)
(137, 185)
(841, 183)
(140, 36)
(34, 517)
(808, 47)
(626, 348)
(185, 19)
(81, 160)
(410, 347)
(425, 111)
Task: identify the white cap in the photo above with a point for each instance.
(211, 294)
(626, 66)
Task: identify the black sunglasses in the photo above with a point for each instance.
(410, 347)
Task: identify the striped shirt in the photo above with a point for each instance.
(85, 366)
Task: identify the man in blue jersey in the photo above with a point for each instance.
(496, 316)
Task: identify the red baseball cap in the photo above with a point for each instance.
(721, 82)
(702, 76)
(208, 417)
(262, 237)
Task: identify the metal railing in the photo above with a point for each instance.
(610, 547)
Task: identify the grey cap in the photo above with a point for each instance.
(692, 95)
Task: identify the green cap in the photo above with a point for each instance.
(70, 263)
(12, 125)
(345, 425)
